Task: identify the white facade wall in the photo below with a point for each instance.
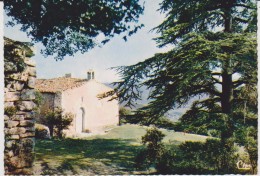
(98, 113)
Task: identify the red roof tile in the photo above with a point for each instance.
(58, 84)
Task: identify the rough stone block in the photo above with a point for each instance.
(9, 154)
(8, 104)
(11, 123)
(28, 94)
(10, 67)
(31, 71)
(17, 117)
(17, 162)
(26, 115)
(6, 118)
(12, 96)
(28, 134)
(31, 82)
(16, 130)
(27, 171)
(26, 105)
(10, 143)
(18, 76)
(15, 172)
(15, 136)
(29, 116)
(18, 85)
(30, 62)
(9, 87)
(5, 90)
(27, 123)
(14, 86)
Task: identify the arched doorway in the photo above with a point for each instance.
(80, 121)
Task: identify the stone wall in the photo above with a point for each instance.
(20, 76)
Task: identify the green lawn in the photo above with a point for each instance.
(111, 153)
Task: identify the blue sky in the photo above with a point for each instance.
(117, 52)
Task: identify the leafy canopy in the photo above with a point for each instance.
(65, 27)
(213, 57)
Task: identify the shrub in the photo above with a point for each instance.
(38, 98)
(247, 137)
(210, 157)
(42, 132)
(197, 158)
(57, 121)
(184, 159)
(141, 160)
(124, 115)
(164, 122)
(153, 148)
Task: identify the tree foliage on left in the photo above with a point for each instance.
(65, 27)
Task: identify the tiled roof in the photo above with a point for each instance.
(58, 84)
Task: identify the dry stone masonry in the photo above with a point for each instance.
(20, 76)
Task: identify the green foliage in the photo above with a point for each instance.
(213, 59)
(190, 71)
(164, 122)
(57, 121)
(154, 147)
(65, 27)
(197, 16)
(185, 159)
(41, 131)
(197, 158)
(210, 157)
(153, 140)
(124, 115)
(128, 116)
(247, 137)
(38, 98)
(10, 110)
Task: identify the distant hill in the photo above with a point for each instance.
(174, 114)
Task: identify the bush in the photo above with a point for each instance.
(42, 132)
(210, 157)
(141, 160)
(197, 158)
(57, 121)
(125, 116)
(153, 148)
(184, 159)
(164, 122)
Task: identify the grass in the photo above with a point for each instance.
(111, 153)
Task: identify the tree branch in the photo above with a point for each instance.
(239, 83)
(246, 6)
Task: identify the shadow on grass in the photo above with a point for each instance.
(119, 154)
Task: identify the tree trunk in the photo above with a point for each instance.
(227, 93)
(51, 130)
(227, 84)
(227, 96)
(227, 104)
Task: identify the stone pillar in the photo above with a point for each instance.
(20, 76)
